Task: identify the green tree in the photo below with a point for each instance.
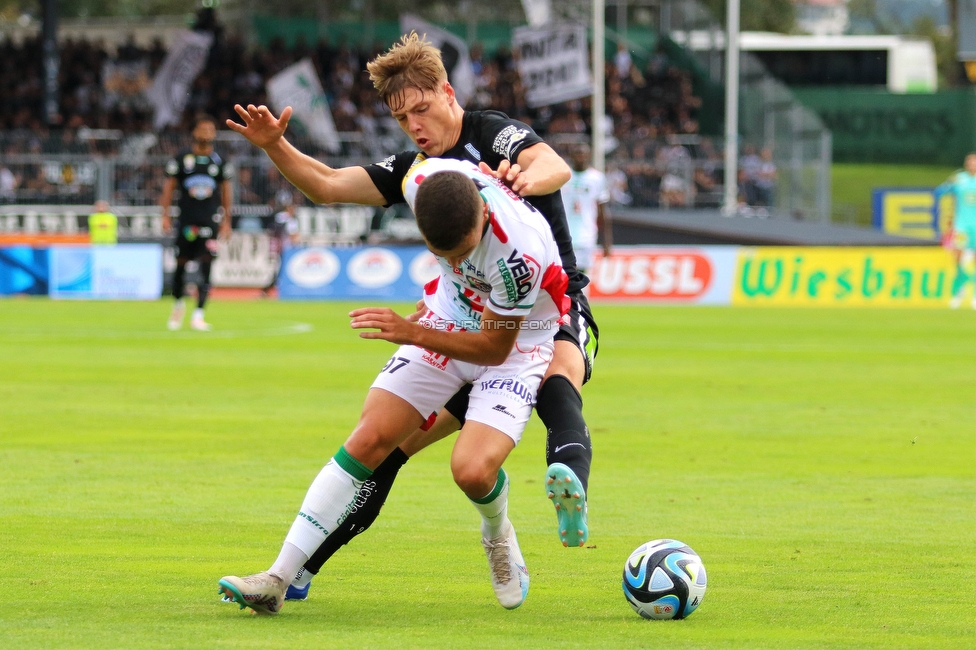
(759, 15)
(944, 43)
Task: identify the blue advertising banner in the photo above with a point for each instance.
(374, 272)
(122, 272)
(910, 212)
(23, 270)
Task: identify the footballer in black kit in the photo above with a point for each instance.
(204, 181)
(489, 137)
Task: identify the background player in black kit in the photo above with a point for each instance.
(203, 179)
(412, 80)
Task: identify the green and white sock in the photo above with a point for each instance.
(326, 504)
(494, 508)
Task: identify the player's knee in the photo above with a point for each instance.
(475, 477)
(567, 361)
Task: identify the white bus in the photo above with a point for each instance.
(900, 64)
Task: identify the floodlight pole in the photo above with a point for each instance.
(599, 99)
(51, 59)
(731, 201)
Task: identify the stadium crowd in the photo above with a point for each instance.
(656, 155)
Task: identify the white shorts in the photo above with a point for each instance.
(502, 396)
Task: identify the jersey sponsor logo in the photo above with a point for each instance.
(435, 359)
(521, 269)
(478, 284)
(387, 163)
(474, 152)
(501, 409)
(200, 186)
(680, 276)
(508, 139)
(509, 282)
(513, 386)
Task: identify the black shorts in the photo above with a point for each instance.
(195, 242)
(581, 331)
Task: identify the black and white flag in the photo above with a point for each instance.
(171, 85)
(553, 63)
(454, 52)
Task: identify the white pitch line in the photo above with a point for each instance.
(185, 334)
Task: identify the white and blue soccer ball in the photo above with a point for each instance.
(664, 579)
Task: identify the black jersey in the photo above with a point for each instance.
(489, 137)
(199, 179)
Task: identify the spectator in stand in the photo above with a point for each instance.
(750, 163)
(8, 184)
(766, 177)
(283, 233)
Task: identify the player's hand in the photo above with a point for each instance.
(260, 126)
(511, 175)
(392, 327)
(420, 313)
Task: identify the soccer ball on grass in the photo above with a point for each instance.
(664, 579)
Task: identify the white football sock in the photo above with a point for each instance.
(290, 559)
(302, 578)
(197, 314)
(326, 504)
(494, 508)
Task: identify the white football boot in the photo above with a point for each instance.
(197, 322)
(509, 577)
(175, 321)
(262, 592)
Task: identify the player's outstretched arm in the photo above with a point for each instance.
(316, 180)
(489, 346)
(538, 171)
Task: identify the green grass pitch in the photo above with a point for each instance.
(821, 462)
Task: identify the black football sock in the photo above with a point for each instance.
(204, 289)
(458, 404)
(560, 407)
(179, 279)
(365, 510)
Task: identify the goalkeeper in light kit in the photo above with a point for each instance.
(491, 316)
(962, 185)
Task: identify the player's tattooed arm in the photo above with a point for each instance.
(539, 170)
(316, 180)
(489, 346)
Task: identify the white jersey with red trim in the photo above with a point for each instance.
(514, 271)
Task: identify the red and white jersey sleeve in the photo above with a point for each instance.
(515, 269)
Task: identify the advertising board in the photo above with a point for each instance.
(844, 277)
(122, 272)
(375, 273)
(702, 275)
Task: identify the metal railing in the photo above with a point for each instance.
(769, 116)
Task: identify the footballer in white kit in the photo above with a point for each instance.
(490, 321)
(515, 270)
(585, 197)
